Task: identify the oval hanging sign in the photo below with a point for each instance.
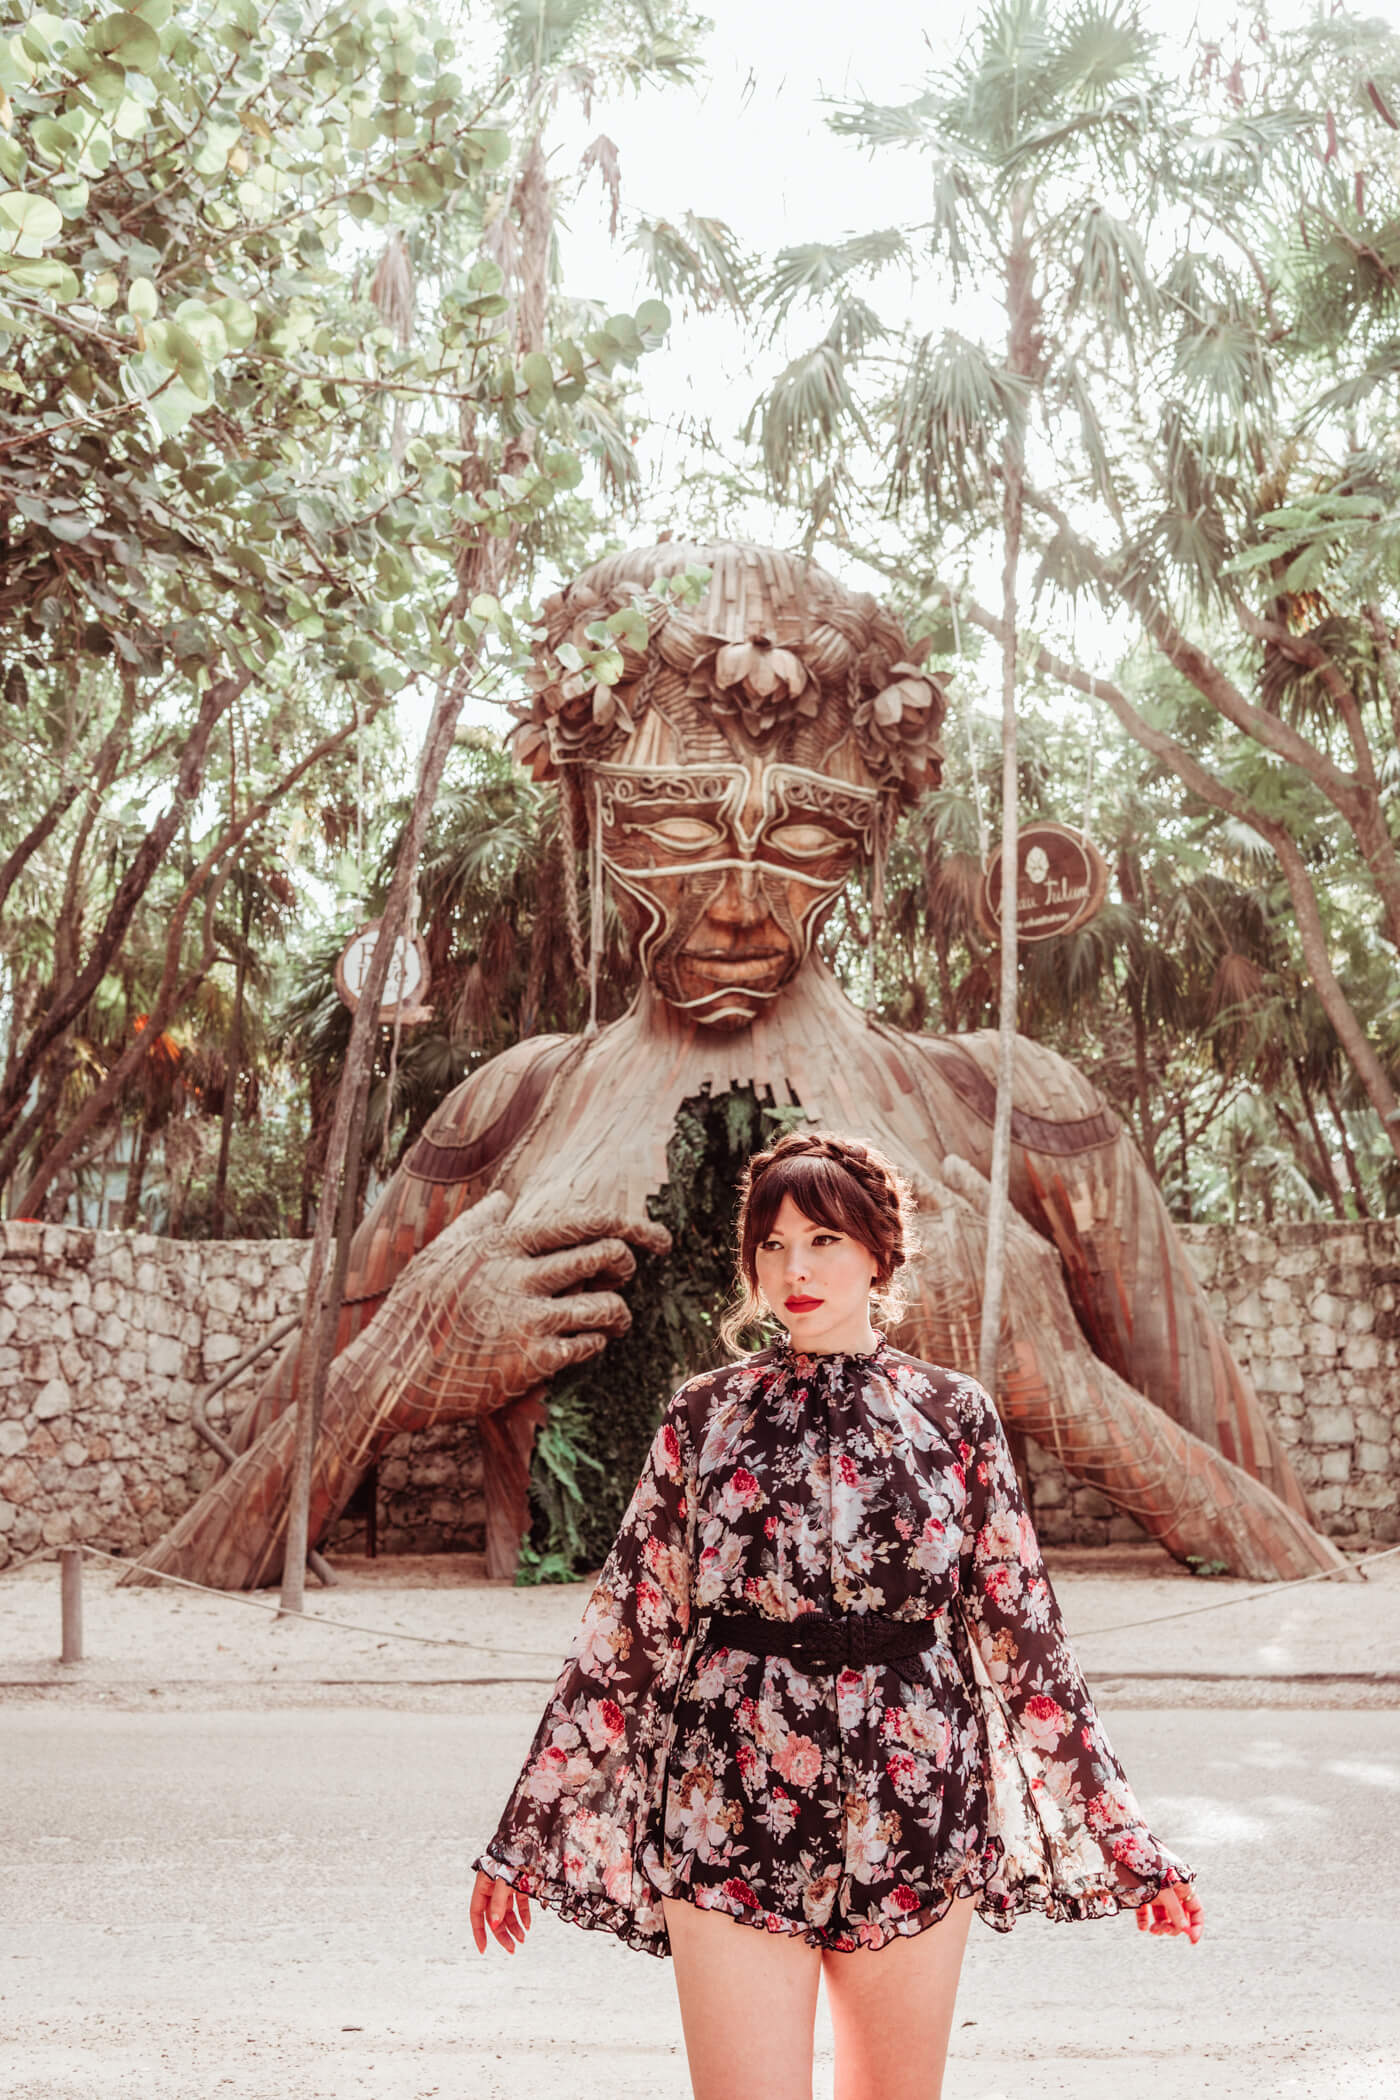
(1063, 882)
(405, 985)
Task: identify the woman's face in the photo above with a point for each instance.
(817, 1281)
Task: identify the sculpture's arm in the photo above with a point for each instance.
(1080, 1181)
(1053, 1387)
(487, 1313)
(449, 1169)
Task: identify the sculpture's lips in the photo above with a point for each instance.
(730, 966)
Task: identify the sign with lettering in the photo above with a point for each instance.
(1063, 881)
(405, 985)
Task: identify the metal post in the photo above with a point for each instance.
(71, 1562)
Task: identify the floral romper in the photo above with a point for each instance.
(850, 1805)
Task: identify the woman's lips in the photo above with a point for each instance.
(802, 1304)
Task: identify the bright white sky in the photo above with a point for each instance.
(749, 144)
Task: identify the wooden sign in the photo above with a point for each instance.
(1063, 881)
(405, 985)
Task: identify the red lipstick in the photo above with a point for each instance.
(800, 1305)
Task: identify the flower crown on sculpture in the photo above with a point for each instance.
(763, 640)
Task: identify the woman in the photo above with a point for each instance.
(822, 1687)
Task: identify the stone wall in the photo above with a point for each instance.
(107, 1337)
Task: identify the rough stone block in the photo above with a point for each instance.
(1361, 1319)
(1327, 1310)
(58, 1528)
(1362, 1353)
(1280, 1376)
(222, 1295)
(164, 1357)
(221, 1349)
(1332, 1425)
(1319, 1340)
(73, 1453)
(1251, 1311)
(13, 1437)
(53, 1399)
(1373, 1458)
(1336, 1465)
(84, 1322)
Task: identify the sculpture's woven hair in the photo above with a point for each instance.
(835, 1181)
(776, 652)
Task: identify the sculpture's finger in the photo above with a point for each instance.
(560, 1272)
(600, 1310)
(556, 1352)
(548, 1235)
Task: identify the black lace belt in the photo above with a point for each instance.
(814, 1641)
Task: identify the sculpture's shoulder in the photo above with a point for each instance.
(452, 1165)
(1057, 1107)
(470, 1133)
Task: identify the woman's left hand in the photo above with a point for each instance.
(1177, 1909)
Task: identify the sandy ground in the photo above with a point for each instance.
(236, 1855)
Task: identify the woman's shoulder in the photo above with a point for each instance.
(919, 1378)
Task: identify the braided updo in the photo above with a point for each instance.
(836, 1182)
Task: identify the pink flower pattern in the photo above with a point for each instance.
(849, 1806)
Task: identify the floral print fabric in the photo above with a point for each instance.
(853, 1805)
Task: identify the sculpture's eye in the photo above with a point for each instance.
(803, 840)
(684, 834)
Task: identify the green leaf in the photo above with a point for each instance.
(538, 374)
(104, 290)
(142, 299)
(654, 316)
(44, 275)
(27, 222)
(240, 322)
(127, 39)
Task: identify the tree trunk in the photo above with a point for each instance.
(135, 1178)
(64, 1010)
(233, 1059)
(1019, 308)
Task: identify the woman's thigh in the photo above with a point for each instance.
(748, 2005)
(892, 2010)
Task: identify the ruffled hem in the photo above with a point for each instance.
(998, 1907)
(1004, 1906)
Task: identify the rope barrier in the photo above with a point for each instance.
(433, 1640)
(389, 1633)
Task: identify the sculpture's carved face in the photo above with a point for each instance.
(725, 873)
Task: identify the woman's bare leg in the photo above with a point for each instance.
(748, 2005)
(892, 2011)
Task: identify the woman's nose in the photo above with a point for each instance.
(795, 1270)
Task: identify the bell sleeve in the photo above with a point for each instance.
(577, 1826)
(1074, 1841)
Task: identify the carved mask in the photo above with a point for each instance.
(725, 872)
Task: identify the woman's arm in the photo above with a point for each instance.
(1078, 1795)
(570, 1832)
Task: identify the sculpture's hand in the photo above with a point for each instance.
(490, 1310)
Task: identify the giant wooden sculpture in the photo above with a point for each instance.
(755, 752)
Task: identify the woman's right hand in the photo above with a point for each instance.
(501, 1909)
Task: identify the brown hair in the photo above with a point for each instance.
(836, 1182)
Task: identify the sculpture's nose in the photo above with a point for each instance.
(739, 902)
